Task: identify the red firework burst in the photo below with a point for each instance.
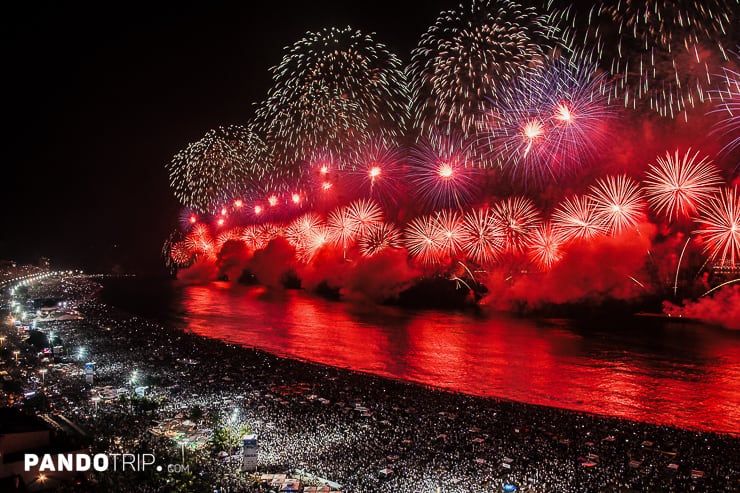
(423, 239)
(181, 254)
(379, 237)
(545, 248)
(481, 237)
(617, 202)
(517, 218)
(576, 218)
(364, 214)
(301, 230)
(678, 185)
(719, 222)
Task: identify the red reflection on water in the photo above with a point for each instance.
(681, 375)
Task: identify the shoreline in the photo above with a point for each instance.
(479, 434)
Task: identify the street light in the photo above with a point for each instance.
(43, 373)
(16, 353)
(2, 341)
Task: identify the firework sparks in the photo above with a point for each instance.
(660, 51)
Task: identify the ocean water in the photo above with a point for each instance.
(652, 370)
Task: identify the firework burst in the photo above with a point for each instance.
(300, 231)
(677, 185)
(659, 51)
(517, 218)
(482, 239)
(576, 218)
(342, 227)
(364, 214)
(424, 240)
(335, 88)
(379, 237)
(618, 203)
(549, 122)
(200, 242)
(181, 254)
(233, 234)
(442, 173)
(727, 108)
(545, 247)
(465, 55)
(450, 226)
(221, 165)
(376, 171)
(719, 227)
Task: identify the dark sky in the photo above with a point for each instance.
(98, 97)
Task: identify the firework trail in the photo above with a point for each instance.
(719, 227)
(464, 57)
(333, 89)
(677, 185)
(223, 164)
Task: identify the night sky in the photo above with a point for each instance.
(98, 99)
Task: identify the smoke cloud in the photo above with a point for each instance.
(722, 309)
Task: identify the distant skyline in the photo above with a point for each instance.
(98, 101)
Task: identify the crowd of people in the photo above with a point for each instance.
(366, 433)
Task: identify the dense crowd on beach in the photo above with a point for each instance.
(362, 432)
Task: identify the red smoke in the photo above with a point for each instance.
(591, 271)
(723, 308)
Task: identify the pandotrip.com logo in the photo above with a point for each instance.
(86, 462)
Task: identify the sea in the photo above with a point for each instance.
(649, 369)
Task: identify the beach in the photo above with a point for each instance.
(362, 432)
